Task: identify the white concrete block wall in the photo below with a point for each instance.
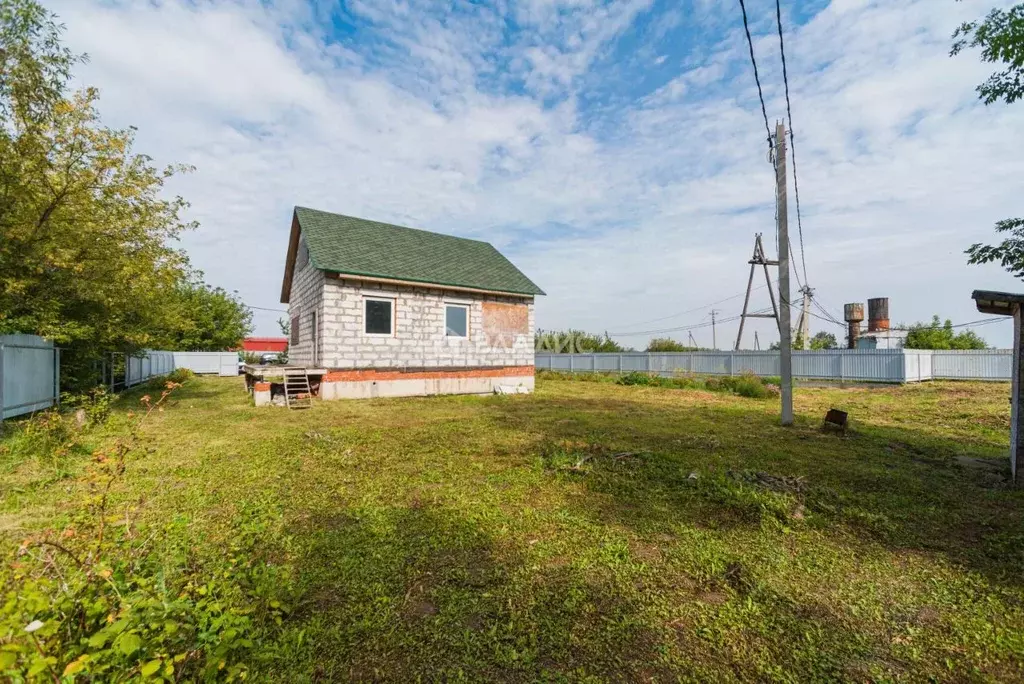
(306, 298)
(419, 340)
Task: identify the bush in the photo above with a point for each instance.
(177, 376)
(747, 385)
(639, 378)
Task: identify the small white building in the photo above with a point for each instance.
(383, 310)
(882, 339)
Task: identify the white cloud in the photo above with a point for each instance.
(451, 121)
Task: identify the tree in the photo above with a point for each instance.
(1000, 36)
(211, 318)
(824, 340)
(938, 335)
(576, 342)
(86, 235)
(666, 344)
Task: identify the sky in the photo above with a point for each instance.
(614, 151)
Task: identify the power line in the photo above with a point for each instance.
(696, 308)
(757, 78)
(263, 308)
(684, 328)
(792, 139)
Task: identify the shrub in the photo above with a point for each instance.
(639, 378)
(748, 385)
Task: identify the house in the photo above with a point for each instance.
(265, 344)
(383, 310)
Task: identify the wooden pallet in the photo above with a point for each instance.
(297, 393)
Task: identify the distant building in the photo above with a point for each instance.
(882, 339)
(265, 344)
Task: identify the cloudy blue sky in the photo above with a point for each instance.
(615, 151)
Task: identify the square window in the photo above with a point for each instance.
(379, 317)
(456, 320)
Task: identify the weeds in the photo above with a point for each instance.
(107, 598)
(746, 385)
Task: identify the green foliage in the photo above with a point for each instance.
(746, 385)
(824, 340)
(250, 357)
(212, 319)
(86, 228)
(107, 601)
(938, 335)
(1009, 253)
(1001, 39)
(666, 344)
(575, 342)
(1000, 36)
(285, 325)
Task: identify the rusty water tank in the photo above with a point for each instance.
(878, 314)
(854, 314)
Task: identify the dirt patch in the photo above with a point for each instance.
(712, 598)
(420, 608)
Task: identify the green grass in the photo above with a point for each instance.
(594, 531)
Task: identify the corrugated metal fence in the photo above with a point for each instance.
(29, 374)
(868, 365)
(30, 371)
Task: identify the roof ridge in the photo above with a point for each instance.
(396, 225)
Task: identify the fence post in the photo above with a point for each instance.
(570, 362)
(842, 365)
(56, 376)
(127, 371)
(732, 363)
(1, 383)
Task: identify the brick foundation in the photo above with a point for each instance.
(381, 374)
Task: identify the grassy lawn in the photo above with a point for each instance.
(595, 532)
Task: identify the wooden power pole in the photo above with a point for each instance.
(785, 329)
(714, 335)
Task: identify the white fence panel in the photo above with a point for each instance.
(208, 363)
(29, 375)
(982, 364)
(869, 365)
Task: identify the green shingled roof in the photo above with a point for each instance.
(355, 246)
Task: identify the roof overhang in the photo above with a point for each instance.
(289, 262)
(424, 284)
(999, 303)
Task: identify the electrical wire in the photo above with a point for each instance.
(757, 77)
(696, 326)
(696, 308)
(792, 139)
(262, 308)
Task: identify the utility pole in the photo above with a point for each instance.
(714, 337)
(804, 324)
(785, 331)
(758, 259)
(757, 342)
(693, 342)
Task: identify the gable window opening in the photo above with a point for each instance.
(456, 320)
(379, 318)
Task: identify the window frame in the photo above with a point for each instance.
(379, 298)
(460, 305)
